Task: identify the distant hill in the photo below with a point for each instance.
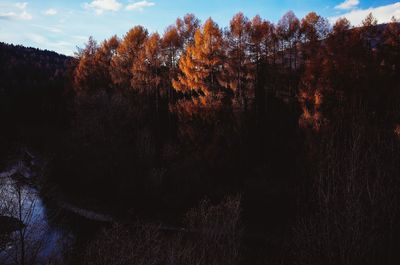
(23, 64)
(32, 84)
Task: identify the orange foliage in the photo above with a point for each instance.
(126, 56)
(202, 64)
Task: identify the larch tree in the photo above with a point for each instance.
(202, 65)
(171, 48)
(146, 71)
(314, 28)
(92, 74)
(262, 49)
(85, 74)
(288, 30)
(187, 28)
(171, 44)
(103, 57)
(126, 56)
(369, 30)
(239, 67)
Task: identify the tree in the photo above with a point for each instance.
(126, 56)
(369, 31)
(314, 29)
(288, 30)
(103, 58)
(260, 47)
(146, 71)
(187, 28)
(92, 74)
(86, 75)
(202, 65)
(288, 33)
(171, 45)
(239, 67)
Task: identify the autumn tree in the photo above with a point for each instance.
(103, 58)
(187, 28)
(127, 55)
(259, 49)
(314, 28)
(288, 30)
(368, 31)
(171, 44)
(171, 49)
(239, 65)
(86, 75)
(289, 34)
(202, 65)
(146, 71)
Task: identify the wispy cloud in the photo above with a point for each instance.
(20, 13)
(51, 12)
(382, 13)
(21, 6)
(7, 15)
(348, 4)
(24, 16)
(52, 29)
(140, 6)
(103, 5)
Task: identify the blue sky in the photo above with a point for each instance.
(62, 25)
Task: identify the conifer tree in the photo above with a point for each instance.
(86, 74)
(262, 48)
(171, 48)
(126, 56)
(146, 71)
(187, 28)
(239, 67)
(202, 65)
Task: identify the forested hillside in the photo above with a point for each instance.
(295, 123)
(31, 81)
(33, 89)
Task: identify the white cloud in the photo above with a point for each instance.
(51, 29)
(141, 5)
(348, 4)
(24, 16)
(51, 12)
(7, 15)
(103, 5)
(382, 13)
(21, 6)
(18, 13)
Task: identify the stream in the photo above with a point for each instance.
(50, 224)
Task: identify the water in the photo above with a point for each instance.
(51, 225)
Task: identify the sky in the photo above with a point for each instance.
(62, 26)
